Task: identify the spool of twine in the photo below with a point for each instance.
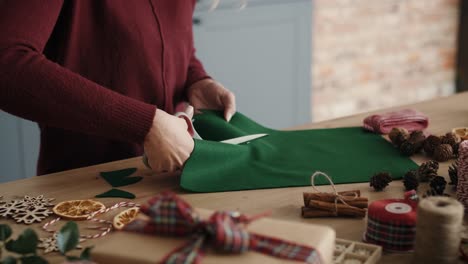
(438, 230)
(462, 186)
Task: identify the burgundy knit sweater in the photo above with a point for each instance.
(92, 72)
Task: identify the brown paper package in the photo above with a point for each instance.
(125, 247)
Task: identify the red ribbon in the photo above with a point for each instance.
(224, 231)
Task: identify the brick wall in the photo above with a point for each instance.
(371, 54)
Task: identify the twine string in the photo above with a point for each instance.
(105, 229)
(338, 197)
(440, 221)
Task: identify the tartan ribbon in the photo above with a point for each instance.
(224, 231)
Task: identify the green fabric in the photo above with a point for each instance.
(120, 178)
(116, 193)
(284, 158)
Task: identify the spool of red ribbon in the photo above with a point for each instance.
(391, 223)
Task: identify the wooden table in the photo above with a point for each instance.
(284, 203)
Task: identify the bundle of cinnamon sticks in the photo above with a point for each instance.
(330, 204)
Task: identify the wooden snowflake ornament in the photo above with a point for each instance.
(32, 214)
(49, 244)
(11, 208)
(38, 201)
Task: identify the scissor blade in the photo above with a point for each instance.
(243, 139)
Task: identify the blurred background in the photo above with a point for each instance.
(292, 62)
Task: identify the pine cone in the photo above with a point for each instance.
(410, 180)
(432, 192)
(380, 180)
(443, 152)
(438, 185)
(455, 148)
(453, 173)
(450, 138)
(417, 138)
(428, 170)
(431, 143)
(408, 148)
(398, 135)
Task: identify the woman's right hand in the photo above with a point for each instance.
(168, 144)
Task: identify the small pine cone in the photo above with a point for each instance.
(432, 192)
(398, 135)
(417, 138)
(450, 138)
(453, 173)
(410, 180)
(431, 143)
(428, 170)
(407, 148)
(380, 180)
(438, 185)
(443, 152)
(455, 148)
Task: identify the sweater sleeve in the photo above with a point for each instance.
(196, 72)
(35, 88)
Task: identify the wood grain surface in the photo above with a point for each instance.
(284, 203)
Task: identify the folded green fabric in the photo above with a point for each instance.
(284, 158)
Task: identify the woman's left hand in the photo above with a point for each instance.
(209, 94)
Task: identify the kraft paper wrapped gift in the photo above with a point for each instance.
(127, 247)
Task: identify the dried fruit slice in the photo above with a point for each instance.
(125, 217)
(77, 209)
(462, 132)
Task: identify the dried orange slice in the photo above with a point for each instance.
(77, 209)
(462, 132)
(125, 217)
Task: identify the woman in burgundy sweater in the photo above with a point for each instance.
(102, 78)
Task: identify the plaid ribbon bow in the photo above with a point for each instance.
(225, 231)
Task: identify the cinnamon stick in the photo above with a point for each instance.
(361, 202)
(341, 209)
(311, 213)
(351, 193)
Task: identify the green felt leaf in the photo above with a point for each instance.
(9, 260)
(121, 178)
(86, 254)
(25, 244)
(5, 232)
(119, 173)
(33, 260)
(68, 237)
(116, 193)
(73, 258)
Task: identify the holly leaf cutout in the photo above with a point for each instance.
(5, 232)
(25, 244)
(121, 178)
(33, 260)
(86, 254)
(68, 237)
(8, 260)
(116, 193)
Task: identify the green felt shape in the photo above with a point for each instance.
(116, 193)
(284, 158)
(120, 178)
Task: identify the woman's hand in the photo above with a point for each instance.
(168, 144)
(209, 94)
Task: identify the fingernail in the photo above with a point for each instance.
(228, 117)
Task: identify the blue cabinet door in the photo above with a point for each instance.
(262, 53)
(19, 147)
